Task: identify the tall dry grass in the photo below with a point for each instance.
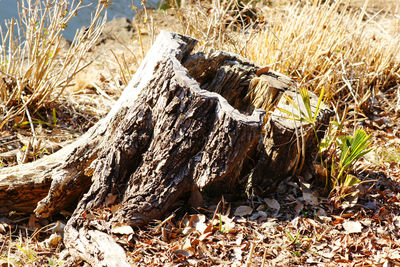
(349, 48)
(33, 70)
(216, 24)
(335, 46)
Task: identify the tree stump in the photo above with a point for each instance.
(288, 144)
(183, 125)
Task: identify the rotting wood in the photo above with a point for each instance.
(173, 139)
(185, 123)
(288, 144)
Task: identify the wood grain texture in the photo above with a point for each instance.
(185, 123)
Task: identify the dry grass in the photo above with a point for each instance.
(217, 25)
(347, 47)
(24, 249)
(33, 71)
(345, 50)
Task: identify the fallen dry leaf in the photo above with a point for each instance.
(310, 198)
(273, 204)
(396, 221)
(2, 228)
(185, 249)
(53, 240)
(121, 229)
(352, 227)
(196, 199)
(228, 225)
(196, 221)
(299, 207)
(33, 222)
(204, 236)
(243, 211)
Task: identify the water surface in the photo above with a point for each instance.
(119, 8)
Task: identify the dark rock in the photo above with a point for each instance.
(119, 29)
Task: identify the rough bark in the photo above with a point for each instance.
(173, 138)
(288, 143)
(185, 123)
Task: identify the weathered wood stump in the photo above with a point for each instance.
(288, 144)
(184, 124)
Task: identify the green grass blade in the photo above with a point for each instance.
(319, 104)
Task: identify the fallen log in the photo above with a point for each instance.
(185, 125)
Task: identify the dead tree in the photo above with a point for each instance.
(183, 125)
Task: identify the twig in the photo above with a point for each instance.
(264, 257)
(164, 222)
(140, 40)
(248, 262)
(100, 91)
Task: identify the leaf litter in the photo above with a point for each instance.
(295, 227)
(283, 229)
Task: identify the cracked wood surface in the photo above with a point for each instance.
(172, 138)
(185, 123)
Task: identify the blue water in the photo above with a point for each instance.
(119, 8)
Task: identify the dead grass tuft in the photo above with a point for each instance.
(33, 72)
(350, 48)
(348, 51)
